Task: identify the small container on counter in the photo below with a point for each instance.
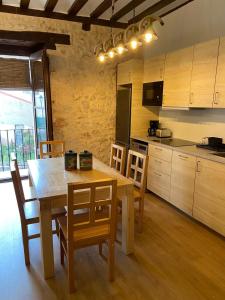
(70, 160)
(85, 160)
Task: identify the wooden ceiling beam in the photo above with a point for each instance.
(24, 4)
(50, 5)
(101, 8)
(151, 10)
(126, 9)
(76, 7)
(34, 36)
(60, 16)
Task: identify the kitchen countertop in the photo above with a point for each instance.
(191, 150)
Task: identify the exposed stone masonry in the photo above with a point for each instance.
(83, 91)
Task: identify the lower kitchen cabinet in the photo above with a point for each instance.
(159, 184)
(183, 181)
(209, 196)
(159, 170)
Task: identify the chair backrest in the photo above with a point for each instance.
(15, 164)
(52, 149)
(18, 189)
(100, 194)
(137, 169)
(117, 158)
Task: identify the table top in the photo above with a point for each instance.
(50, 179)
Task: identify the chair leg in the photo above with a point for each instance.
(61, 248)
(70, 270)
(57, 227)
(26, 246)
(100, 249)
(111, 259)
(116, 220)
(140, 215)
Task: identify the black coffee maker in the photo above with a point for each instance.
(154, 125)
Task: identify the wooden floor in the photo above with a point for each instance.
(175, 258)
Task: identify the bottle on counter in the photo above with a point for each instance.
(85, 160)
(70, 160)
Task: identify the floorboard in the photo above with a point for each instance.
(175, 258)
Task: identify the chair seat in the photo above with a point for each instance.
(31, 210)
(95, 233)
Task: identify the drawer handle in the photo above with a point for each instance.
(157, 174)
(158, 161)
(159, 149)
(183, 156)
(198, 166)
(215, 100)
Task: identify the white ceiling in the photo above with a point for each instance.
(64, 5)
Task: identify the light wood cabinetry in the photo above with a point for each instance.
(124, 73)
(159, 170)
(194, 185)
(160, 152)
(209, 196)
(204, 74)
(154, 68)
(177, 78)
(219, 97)
(183, 181)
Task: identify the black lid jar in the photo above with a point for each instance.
(85, 160)
(70, 160)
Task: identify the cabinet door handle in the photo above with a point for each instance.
(157, 174)
(191, 98)
(215, 101)
(158, 161)
(159, 149)
(183, 156)
(198, 167)
(161, 72)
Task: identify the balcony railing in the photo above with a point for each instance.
(19, 141)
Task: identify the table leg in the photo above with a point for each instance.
(128, 221)
(46, 239)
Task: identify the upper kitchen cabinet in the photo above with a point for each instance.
(130, 71)
(219, 97)
(154, 69)
(204, 74)
(124, 73)
(177, 78)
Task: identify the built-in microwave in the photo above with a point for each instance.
(152, 93)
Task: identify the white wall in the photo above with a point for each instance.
(198, 21)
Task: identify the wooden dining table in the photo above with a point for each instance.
(49, 180)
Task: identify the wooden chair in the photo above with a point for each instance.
(136, 171)
(117, 158)
(54, 149)
(94, 229)
(29, 193)
(28, 210)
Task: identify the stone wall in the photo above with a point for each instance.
(83, 91)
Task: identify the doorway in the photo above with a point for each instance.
(25, 115)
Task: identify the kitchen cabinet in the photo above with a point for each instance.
(219, 97)
(124, 73)
(162, 153)
(177, 78)
(159, 170)
(183, 181)
(209, 196)
(154, 68)
(204, 74)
